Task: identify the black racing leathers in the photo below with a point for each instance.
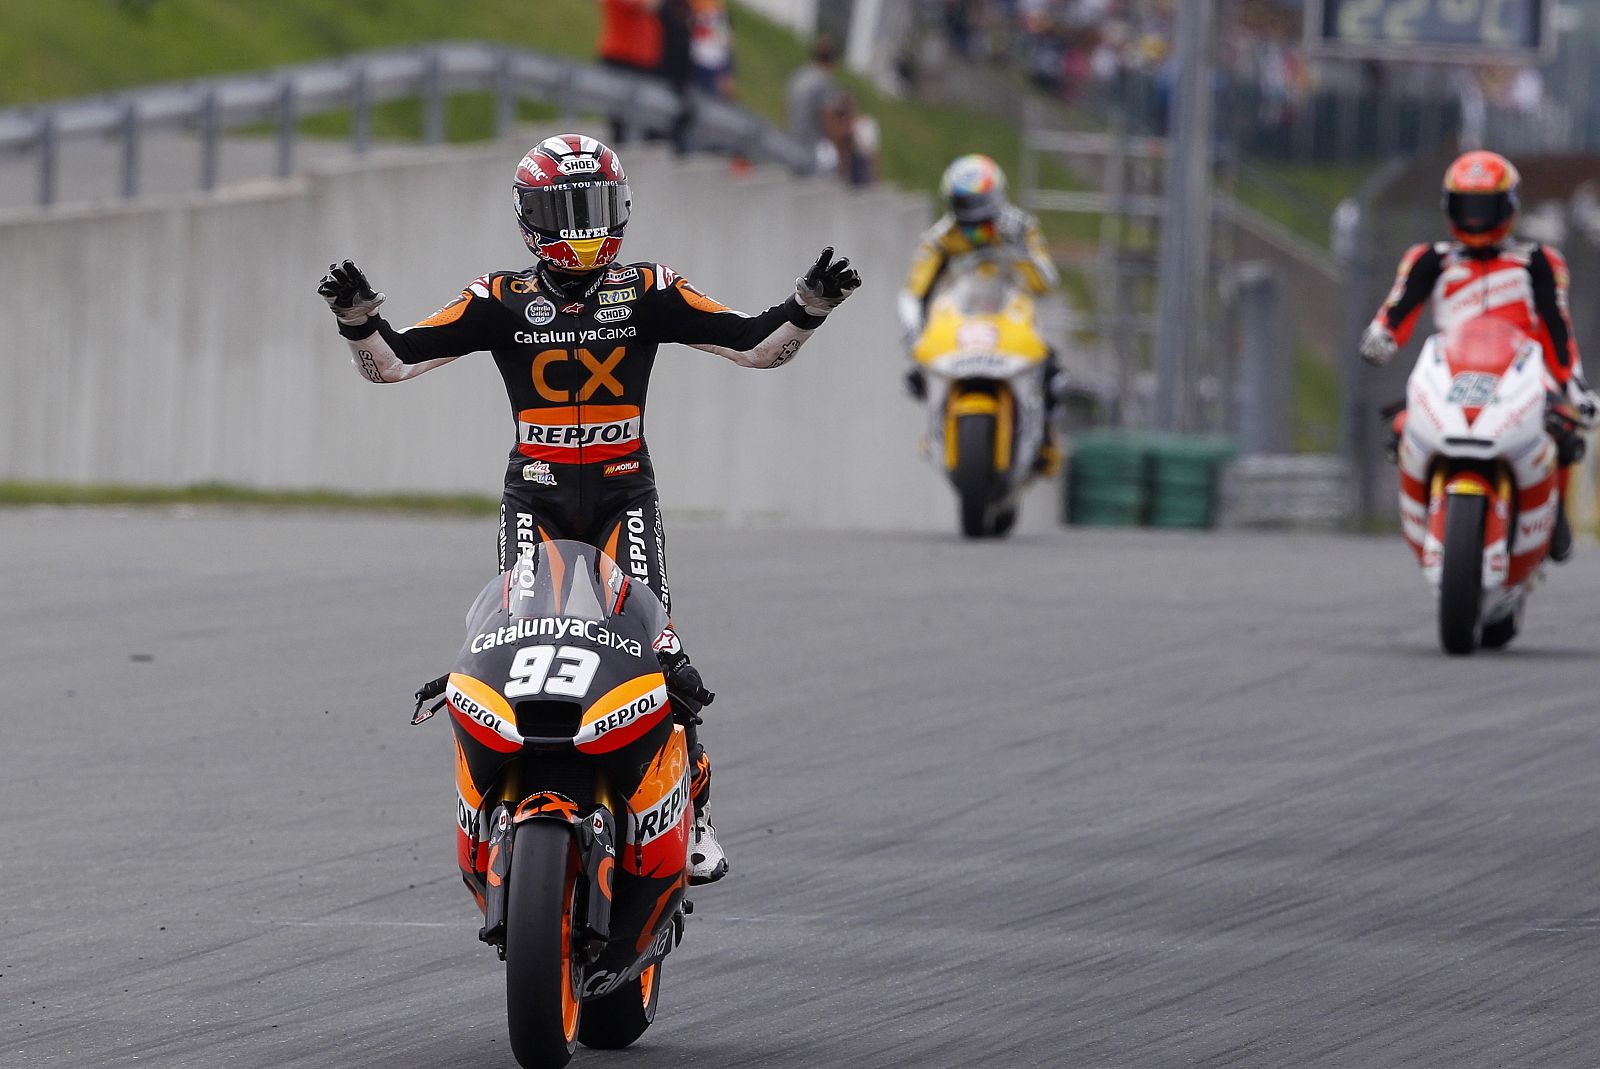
(576, 370)
(576, 361)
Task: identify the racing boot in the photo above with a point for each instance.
(1048, 462)
(1570, 448)
(707, 862)
(1561, 537)
(1397, 429)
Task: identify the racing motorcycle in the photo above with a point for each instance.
(1478, 476)
(983, 359)
(573, 805)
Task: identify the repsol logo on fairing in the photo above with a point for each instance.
(468, 707)
(641, 706)
(573, 337)
(557, 627)
(665, 814)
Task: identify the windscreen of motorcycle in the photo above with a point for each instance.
(979, 293)
(571, 580)
(560, 646)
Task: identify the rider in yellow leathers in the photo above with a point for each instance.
(979, 220)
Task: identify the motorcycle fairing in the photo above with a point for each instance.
(623, 714)
(482, 713)
(651, 876)
(607, 753)
(984, 313)
(982, 353)
(1475, 423)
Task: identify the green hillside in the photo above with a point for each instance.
(78, 47)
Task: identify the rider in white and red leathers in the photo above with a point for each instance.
(1486, 271)
(575, 338)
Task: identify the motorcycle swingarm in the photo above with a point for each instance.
(596, 839)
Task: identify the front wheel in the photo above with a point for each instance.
(975, 474)
(1461, 572)
(543, 979)
(615, 1021)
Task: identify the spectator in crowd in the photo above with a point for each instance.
(677, 67)
(810, 91)
(630, 35)
(630, 40)
(650, 37)
(854, 138)
(711, 48)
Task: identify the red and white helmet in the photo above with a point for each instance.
(1480, 197)
(572, 201)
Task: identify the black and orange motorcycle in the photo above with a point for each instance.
(573, 806)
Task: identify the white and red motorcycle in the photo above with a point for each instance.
(1478, 476)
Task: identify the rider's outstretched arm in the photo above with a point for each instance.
(472, 322)
(677, 312)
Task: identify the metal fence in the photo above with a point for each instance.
(282, 98)
(1344, 124)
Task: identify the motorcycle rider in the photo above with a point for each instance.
(1486, 271)
(979, 219)
(575, 337)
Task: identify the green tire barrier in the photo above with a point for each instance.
(1124, 479)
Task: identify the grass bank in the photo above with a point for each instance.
(81, 47)
(14, 493)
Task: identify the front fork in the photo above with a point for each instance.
(962, 402)
(596, 840)
(1498, 490)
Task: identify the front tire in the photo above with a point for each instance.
(1461, 573)
(615, 1021)
(975, 474)
(543, 980)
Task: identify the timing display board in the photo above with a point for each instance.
(1431, 29)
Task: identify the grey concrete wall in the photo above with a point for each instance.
(181, 340)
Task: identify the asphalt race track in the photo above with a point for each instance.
(1085, 799)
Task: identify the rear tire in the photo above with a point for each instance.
(1004, 521)
(975, 474)
(1461, 574)
(543, 982)
(615, 1021)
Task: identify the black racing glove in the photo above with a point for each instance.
(347, 292)
(917, 384)
(684, 683)
(825, 287)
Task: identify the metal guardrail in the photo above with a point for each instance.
(284, 96)
(1306, 490)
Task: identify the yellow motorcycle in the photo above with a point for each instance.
(984, 362)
